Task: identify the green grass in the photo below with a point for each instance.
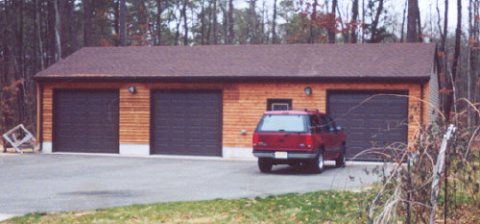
(317, 207)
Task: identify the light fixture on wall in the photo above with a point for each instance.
(132, 89)
(308, 90)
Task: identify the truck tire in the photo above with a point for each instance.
(340, 162)
(318, 164)
(265, 165)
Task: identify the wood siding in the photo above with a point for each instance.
(243, 104)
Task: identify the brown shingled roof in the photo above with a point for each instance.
(322, 61)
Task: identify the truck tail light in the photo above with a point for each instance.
(255, 139)
(309, 141)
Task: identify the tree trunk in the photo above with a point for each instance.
(116, 21)
(354, 23)
(412, 18)
(263, 40)
(4, 75)
(38, 36)
(345, 35)
(215, 22)
(65, 17)
(313, 19)
(474, 56)
(185, 24)
(20, 64)
(456, 55)
(159, 22)
(58, 25)
(419, 24)
(274, 23)
(363, 21)
(147, 32)
(73, 29)
(373, 37)
(332, 27)
(444, 57)
(87, 22)
(252, 20)
(231, 22)
(469, 63)
(223, 7)
(402, 32)
(122, 23)
(202, 23)
(177, 25)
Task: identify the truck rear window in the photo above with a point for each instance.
(286, 123)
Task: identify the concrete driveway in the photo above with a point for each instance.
(47, 183)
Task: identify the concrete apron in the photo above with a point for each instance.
(4, 217)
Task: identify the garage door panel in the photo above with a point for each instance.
(369, 121)
(186, 123)
(86, 121)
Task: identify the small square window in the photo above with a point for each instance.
(279, 104)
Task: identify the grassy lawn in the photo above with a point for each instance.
(317, 207)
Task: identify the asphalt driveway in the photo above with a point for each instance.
(47, 183)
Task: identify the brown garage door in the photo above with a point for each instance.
(370, 120)
(86, 121)
(187, 123)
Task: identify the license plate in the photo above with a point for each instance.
(281, 155)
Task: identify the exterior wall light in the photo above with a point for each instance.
(132, 89)
(308, 90)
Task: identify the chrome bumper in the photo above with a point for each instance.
(290, 155)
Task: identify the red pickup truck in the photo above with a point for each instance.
(299, 138)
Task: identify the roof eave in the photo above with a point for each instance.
(232, 78)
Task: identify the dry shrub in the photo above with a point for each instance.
(405, 195)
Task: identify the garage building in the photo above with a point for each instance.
(206, 100)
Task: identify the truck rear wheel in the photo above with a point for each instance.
(265, 165)
(317, 165)
(341, 160)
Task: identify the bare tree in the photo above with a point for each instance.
(363, 21)
(345, 32)
(456, 53)
(122, 23)
(58, 41)
(159, 22)
(313, 19)
(185, 22)
(202, 22)
(332, 25)
(3, 77)
(252, 22)
(274, 23)
(402, 32)
(223, 7)
(412, 21)
(87, 22)
(443, 65)
(353, 22)
(474, 45)
(376, 19)
(38, 43)
(215, 22)
(72, 28)
(231, 22)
